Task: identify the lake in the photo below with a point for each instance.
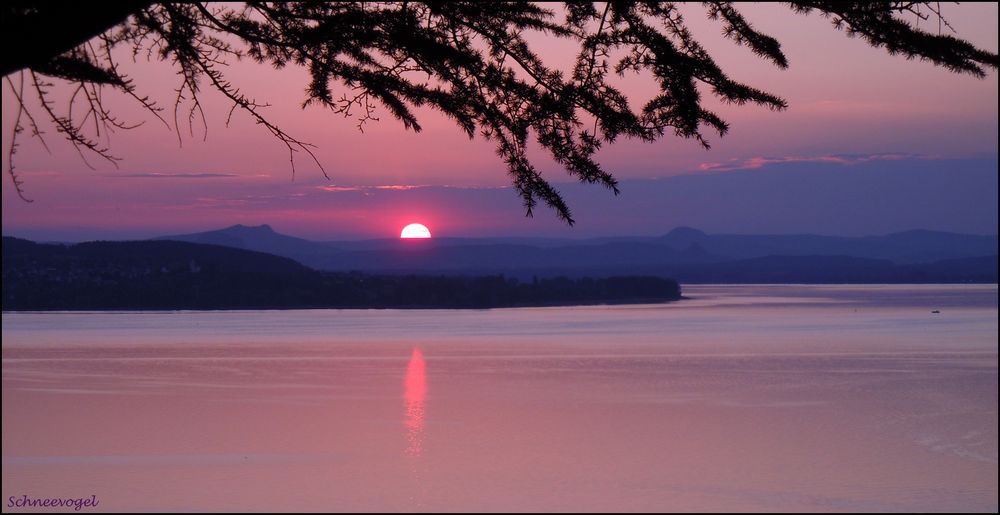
(745, 398)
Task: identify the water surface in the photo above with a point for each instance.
(775, 398)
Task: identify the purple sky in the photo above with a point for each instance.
(846, 99)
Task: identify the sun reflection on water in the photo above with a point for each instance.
(414, 399)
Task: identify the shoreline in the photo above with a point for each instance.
(637, 301)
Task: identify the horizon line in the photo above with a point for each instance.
(5, 234)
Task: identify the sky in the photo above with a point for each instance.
(866, 135)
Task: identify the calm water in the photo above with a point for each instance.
(774, 398)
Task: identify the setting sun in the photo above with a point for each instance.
(415, 231)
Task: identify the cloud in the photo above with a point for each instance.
(401, 187)
(337, 189)
(162, 175)
(392, 187)
(406, 187)
(842, 159)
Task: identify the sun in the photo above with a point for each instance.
(415, 231)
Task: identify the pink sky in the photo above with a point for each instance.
(845, 98)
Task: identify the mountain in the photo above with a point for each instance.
(161, 274)
(152, 275)
(602, 257)
(147, 275)
(261, 238)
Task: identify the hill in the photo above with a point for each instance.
(150, 275)
(685, 253)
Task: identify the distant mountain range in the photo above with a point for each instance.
(686, 254)
(256, 267)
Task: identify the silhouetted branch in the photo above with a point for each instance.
(471, 61)
(19, 92)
